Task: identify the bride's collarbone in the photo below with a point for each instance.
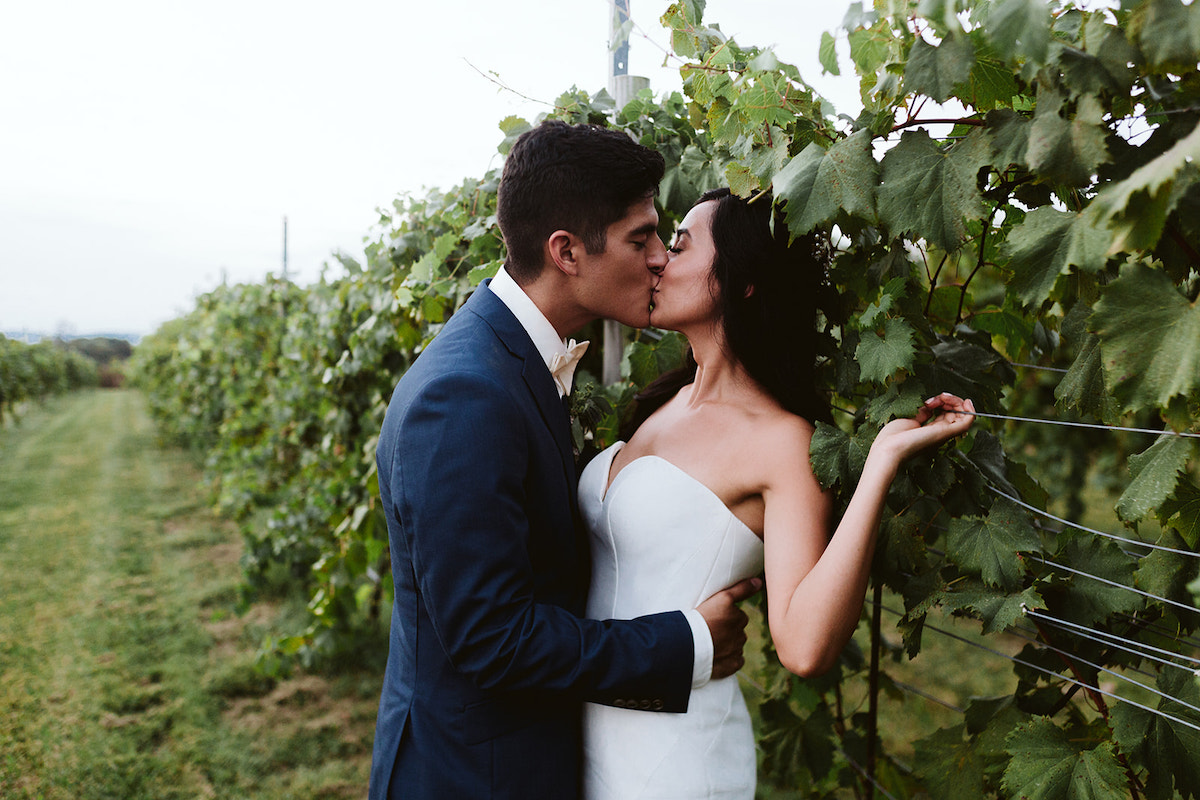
(723, 464)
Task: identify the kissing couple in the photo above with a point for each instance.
(560, 636)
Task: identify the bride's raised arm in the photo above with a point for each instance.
(816, 584)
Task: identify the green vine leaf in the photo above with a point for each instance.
(645, 361)
(882, 354)
(1086, 600)
(929, 190)
(828, 454)
(1009, 133)
(1150, 338)
(1046, 244)
(991, 546)
(1047, 764)
(818, 184)
(1066, 151)
(1168, 33)
(1083, 387)
(1168, 746)
(951, 767)
(1020, 29)
(998, 610)
(1136, 208)
(991, 84)
(1155, 473)
(1181, 512)
(827, 54)
(935, 71)
(1166, 574)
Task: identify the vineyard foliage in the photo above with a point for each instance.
(1015, 217)
(37, 371)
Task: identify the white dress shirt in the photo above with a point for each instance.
(549, 344)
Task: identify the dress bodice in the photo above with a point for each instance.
(661, 540)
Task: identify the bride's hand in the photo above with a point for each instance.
(942, 417)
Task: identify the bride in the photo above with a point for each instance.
(715, 486)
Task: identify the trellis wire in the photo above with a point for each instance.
(1038, 366)
(864, 773)
(1111, 639)
(1034, 637)
(1096, 426)
(1163, 630)
(1117, 584)
(1066, 678)
(1065, 423)
(1086, 529)
(908, 687)
(1150, 689)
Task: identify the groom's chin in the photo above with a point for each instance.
(638, 320)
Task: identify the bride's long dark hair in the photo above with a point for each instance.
(767, 289)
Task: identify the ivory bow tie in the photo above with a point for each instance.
(562, 366)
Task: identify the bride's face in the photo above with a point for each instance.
(686, 291)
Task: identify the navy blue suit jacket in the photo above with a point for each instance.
(490, 658)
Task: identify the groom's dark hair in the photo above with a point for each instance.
(577, 178)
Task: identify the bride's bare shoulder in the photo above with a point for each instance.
(785, 433)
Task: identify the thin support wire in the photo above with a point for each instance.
(864, 773)
(1096, 426)
(908, 687)
(1072, 570)
(1050, 563)
(1060, 676)
(1151, 689)
(1033, 637)
(1112, 640)
(1086, 529)
(1163, 630)
(1038, 366)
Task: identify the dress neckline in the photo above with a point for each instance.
(610, 482)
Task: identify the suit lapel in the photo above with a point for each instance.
(536, 376)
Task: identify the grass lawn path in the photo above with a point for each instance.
(125, 670)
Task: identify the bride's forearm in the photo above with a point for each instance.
(821, 612)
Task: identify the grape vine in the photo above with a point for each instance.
(1013, 217)
(37, 371)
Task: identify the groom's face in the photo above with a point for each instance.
(620, 281)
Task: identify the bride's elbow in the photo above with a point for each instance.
(806, 662)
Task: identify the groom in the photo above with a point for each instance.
(490, 658)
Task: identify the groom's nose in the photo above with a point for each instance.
(656, 255)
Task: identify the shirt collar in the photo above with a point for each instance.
(545, 338)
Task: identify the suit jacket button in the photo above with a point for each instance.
(658, 705)
(619, 703)
(645, 705)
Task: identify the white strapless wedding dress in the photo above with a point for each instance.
(661, 541)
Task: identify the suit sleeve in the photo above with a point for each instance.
(457, 480)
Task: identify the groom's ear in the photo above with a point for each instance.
(564, 249)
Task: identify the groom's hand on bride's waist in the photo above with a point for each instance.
(727, 624)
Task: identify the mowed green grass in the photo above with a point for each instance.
(125, 670)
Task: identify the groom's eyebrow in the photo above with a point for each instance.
(644, 230)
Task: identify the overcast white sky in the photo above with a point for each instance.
(148, 148)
